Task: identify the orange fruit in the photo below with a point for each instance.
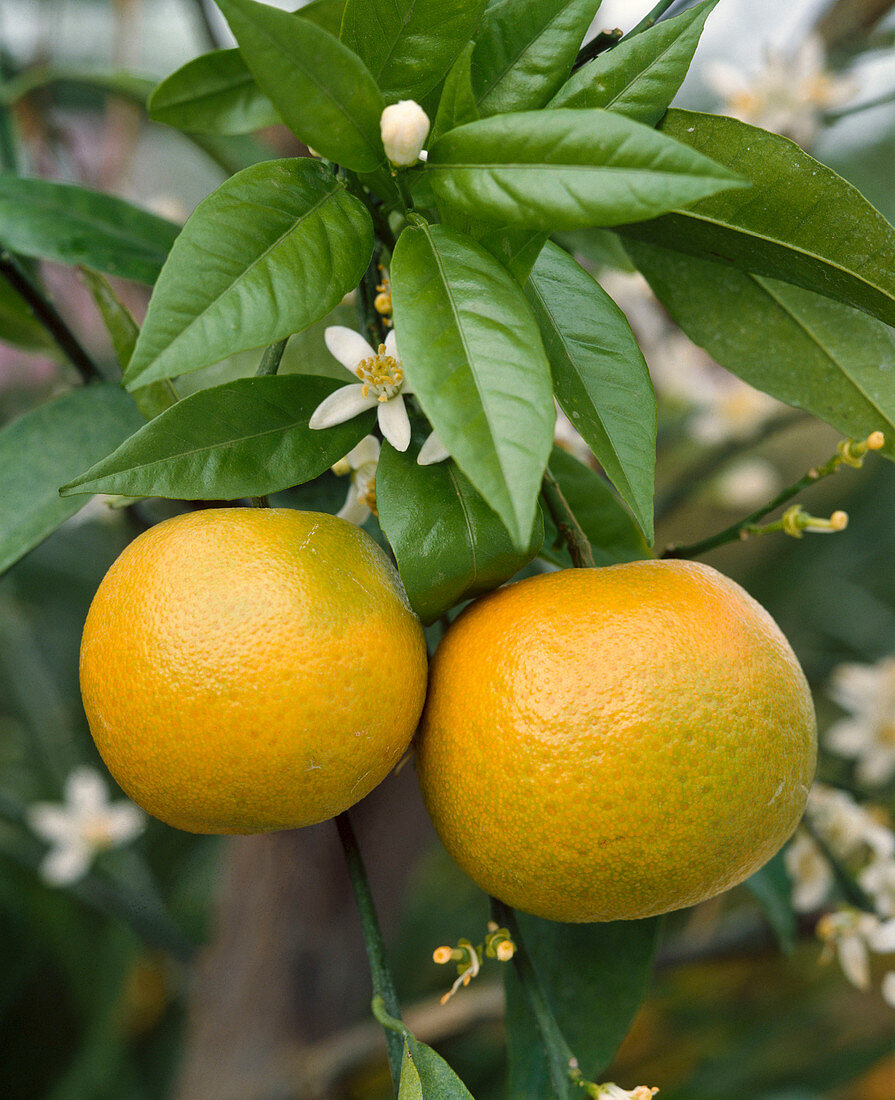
(246, 670)
(614, 743)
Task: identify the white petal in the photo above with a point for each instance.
(854, 960)
(86, 791)
(888, 988)
(366, 451)
(124, 822)
(52, 822)
(354, 509)
(849, 737)
(882, 938)
(877, 767)
(348, 346)
(340, 406)
(64, 865)
(432, 451)
(391, 345)
(394, 423)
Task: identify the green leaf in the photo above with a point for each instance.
(123, 331)
(802, 348)
(600, 377)
(457, 103)
(517, 249)
(275, 248)
(19, 326)
(48, 445)
(567, 168)
(245, 438)
(322, 91)
(118, 82)
(525, 50)
(613, 535)
(771, 887)
(408, 45)
(473, 355)
(213, 94)
(595, 977)
(428, 1076)
(62, 222)
(449, 545)
(327, 14)
(799, 222)
(641, 75)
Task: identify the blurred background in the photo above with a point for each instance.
(171, 965)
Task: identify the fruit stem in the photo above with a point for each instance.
(566, 523)
(561, 1060)
(848, 453)
(380, 972)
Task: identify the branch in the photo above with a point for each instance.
(566, 523)
(846, 22)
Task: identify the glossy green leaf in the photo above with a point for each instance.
(62, 222)
(408, 45)
(517, 249)
(327, 14)
(48, 445)
(613, 535)
(567, 168)
(595, 977)
(600, 377)
(19, 326)
(525, 50)
(272, 250)
(641, 75)
(123, 331)
(214, 94)
(804, 349)
(321, 89)
(456, 105)
(473, 355)
(243, 439)
(799, 221)
(449, 545)
(773, 890)
(425, 1075)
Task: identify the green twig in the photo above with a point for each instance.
(560, 1059)
(566, 523)
(383, 983)
(273, 355)
(650, 19)
(44, 310)
(848, 453)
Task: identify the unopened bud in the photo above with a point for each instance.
(404, 127)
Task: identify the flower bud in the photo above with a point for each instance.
(404, 127)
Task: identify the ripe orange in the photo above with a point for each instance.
(614, 743)
(246, 670)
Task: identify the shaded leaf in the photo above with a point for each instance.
(118, 82)
(19, 326)
(600, 377)
(517, 249)
(411, 1086)
(804, 349)
(613, 535)
(429, 1077)
(525, 50)
(271, 251)
(473, 356)
(595, 977)
(456, 105)
(321, 89)
(245, 438)
(449, 545)
(408, 45)
(799, 221)
(641, 75)
(773, 891)
(566, 168)
(48, 445)
(69, 224)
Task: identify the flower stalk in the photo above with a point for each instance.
(566, 523)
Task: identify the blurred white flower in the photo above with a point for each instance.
(85, 824)
(610, 1091)
(381, 386)
(101, 508)
(360, 462)
(867, 735)
(787, 96)
(851, 935)
(887, 988)
(810, 872)
(727, 408)
(878, 880)
(747, 484)
(848, 828)
(566, 436)
(404, 127)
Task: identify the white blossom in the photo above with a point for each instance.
(848, 828)
(381, 386)
(810, 872)
(887, 988)
(360, 462)
(747, 484)
(404, 127)
(611, 1091)
(851, 935)
(432, 451)
(878, 880)
(787, 96)
(867, 734)
(85, 824)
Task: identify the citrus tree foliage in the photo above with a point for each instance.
(768, 259)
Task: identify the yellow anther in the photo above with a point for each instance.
(838, 521)
(506, 949)
(442, 955)
(368, 497)
(875, 441)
